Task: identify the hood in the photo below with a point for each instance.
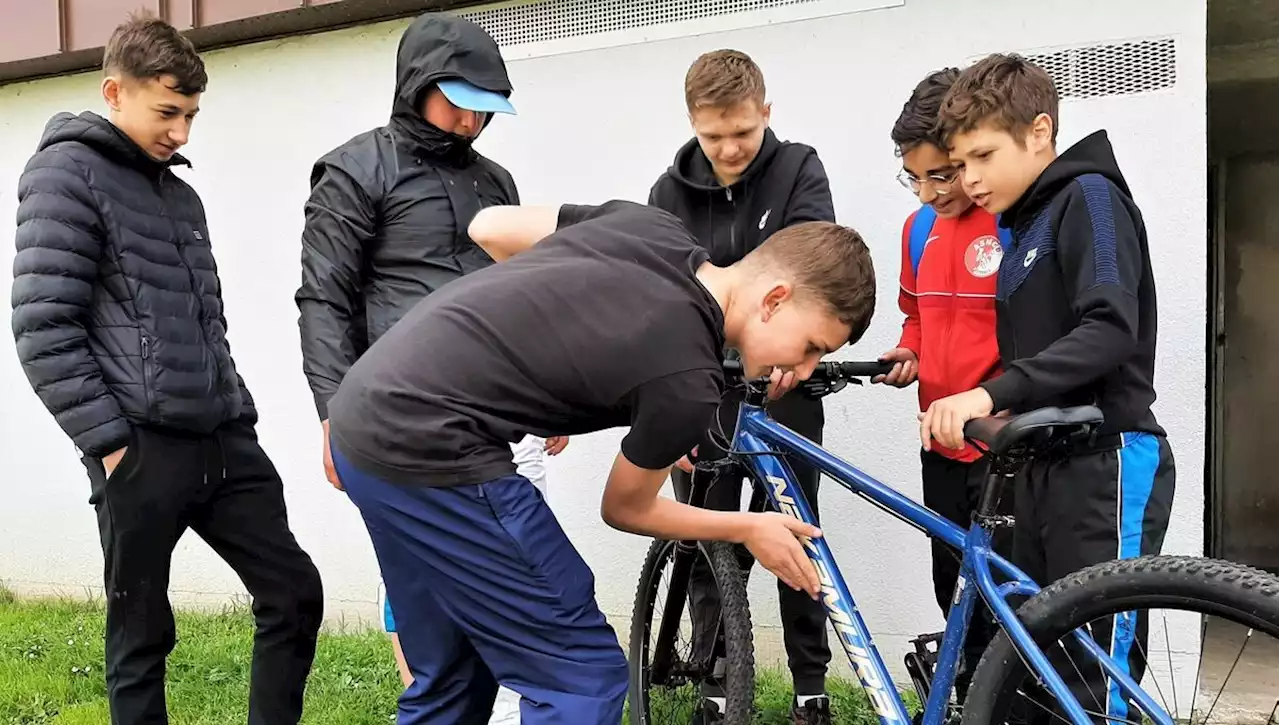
(100, 134)
(435, 47)
(1091, 155)
(692, 169)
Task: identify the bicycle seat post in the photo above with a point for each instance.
(1001, 474)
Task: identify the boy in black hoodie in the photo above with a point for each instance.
(732, 186)
(1076, 324)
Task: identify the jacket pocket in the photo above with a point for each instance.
(99, 479)
(148, 375)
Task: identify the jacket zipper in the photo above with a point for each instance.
(146, 371)
(951, 310)
(733, 222)
(195, 285)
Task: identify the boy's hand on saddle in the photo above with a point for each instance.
(773, 540)
(904, 372)
(944, 420)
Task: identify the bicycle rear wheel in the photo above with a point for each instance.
(666, 670)
(1206, 592)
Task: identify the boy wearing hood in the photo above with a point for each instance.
(733, 185)
(118, 315)
(386, 222)
(1076, 325)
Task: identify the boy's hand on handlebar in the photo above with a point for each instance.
(944, 420)
(781, 382)
(772, 540)
(905, 370)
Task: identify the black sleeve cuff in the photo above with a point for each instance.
(1009, 390)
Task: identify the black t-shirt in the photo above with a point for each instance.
(602, 324)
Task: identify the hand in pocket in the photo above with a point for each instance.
(111, 460)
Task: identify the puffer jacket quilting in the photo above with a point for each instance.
(117, 306)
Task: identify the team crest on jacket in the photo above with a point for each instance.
(983, 256)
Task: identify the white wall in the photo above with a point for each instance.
(595, 125)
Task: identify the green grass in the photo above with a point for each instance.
(51, 658)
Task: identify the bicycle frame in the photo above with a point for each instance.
(760, 443)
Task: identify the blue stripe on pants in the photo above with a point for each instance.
(489, 589)
(1139, 459)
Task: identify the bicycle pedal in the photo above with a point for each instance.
(934, 638)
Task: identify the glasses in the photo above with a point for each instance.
(941, 183)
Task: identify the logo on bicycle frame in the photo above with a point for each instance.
(840, 614)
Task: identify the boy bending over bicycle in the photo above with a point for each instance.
(1076, 324)
(606, 316)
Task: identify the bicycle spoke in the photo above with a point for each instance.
(1173, 680)
(1248, 635)
(1273, 713)
(1142, 651)
(1195, 686)
(1062, 646)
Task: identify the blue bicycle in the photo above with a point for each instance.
(1023, 675)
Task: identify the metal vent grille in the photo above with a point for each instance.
(1113, 69)
(544, 20)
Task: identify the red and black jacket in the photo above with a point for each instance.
(948, 293)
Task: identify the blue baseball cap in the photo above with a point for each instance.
(473, 98)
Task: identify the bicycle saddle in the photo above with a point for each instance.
(1000, 435)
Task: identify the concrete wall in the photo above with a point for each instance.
(1247, 491)
(596, 125)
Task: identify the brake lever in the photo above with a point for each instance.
(815, 389)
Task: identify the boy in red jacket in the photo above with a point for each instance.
(951, 251)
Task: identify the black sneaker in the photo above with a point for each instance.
(708, 714)
(815, 712)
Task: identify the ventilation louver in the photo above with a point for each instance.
(1111, 69)
(547, 20)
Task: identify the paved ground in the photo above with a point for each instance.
(1254, 679)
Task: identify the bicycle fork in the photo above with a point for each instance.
(662, 668)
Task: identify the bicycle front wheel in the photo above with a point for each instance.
(672, 655)
(1154, 606)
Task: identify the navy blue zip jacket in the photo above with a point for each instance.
(1076, 300)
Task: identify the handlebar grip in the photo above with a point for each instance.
(865, 369)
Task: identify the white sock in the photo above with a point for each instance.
(720, 702)
(802, 699)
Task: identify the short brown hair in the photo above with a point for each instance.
(1008, 90)
(723, 78)
(829, 262)
(146, 47)
(918, 122)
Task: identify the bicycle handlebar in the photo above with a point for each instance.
(827, 378)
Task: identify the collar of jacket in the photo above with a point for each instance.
(692, 168)
(116, 144)
(426, 142)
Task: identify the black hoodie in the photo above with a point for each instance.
(117, 306)
(1076, 300)
(386, 223)
(785, 184)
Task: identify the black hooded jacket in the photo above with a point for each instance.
(785, 184)
(117, 306)
(386, 223)
(1076, 300)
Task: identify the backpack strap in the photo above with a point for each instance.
(1005, 234)
(918, 236)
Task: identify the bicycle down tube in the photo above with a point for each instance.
(761, 441)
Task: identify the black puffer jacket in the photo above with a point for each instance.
(386, 223)
(117, 308)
